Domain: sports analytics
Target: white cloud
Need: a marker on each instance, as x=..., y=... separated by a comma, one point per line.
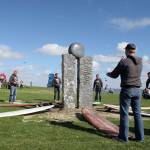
x=145, y=58
x=37, y=74
x=106, y=59
x=53, y=49
x=146, y=61
x=96, y=66
x=43, y=73
x=121, y=46
x=112, y=58
x=46, y=72
x=109, y=69
x=128, y=24
x=7, y=53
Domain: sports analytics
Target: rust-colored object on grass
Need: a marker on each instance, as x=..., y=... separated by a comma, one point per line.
x=99, y=122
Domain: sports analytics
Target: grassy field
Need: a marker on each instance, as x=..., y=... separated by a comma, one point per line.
x=15, y=134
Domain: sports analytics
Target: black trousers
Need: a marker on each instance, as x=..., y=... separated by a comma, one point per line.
x=98, y=95
x=57, y=93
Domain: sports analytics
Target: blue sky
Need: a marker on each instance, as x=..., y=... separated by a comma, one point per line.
x=34, y=34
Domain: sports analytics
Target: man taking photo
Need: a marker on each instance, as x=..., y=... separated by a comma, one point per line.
x=129, y=69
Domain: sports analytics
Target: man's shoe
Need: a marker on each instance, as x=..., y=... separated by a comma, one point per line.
x=119, y=140
x=139, y=140
x=132, y=138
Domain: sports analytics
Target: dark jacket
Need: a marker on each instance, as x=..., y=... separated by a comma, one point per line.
x=98, y=84
x=129, y=69
x=147, y=83
x=56, y=82
x=13, y=80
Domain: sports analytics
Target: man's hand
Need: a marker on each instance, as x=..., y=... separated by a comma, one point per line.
x=146, y=89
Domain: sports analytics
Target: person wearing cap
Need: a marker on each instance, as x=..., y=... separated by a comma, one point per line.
x=129, y=69
x=97, y=87
x=148, y=80
x=56, y=83
x=13, y=83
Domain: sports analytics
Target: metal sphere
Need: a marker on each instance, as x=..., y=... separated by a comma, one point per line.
x=76, y=49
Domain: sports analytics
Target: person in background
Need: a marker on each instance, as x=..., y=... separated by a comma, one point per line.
x=148, y=80
x=31, y=84
x=56, y=83
x=106, y=87
x=97, y=87
x=146, y=91
x=129, y=69
x=21, y=84
x=13, y=83
x=111, y=91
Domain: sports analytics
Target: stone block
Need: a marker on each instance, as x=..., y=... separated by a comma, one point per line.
x=85, y=87
x=69, y=80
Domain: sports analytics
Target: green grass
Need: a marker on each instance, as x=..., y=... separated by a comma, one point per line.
x=114, y=99
x=15, y=134
x=29, y=94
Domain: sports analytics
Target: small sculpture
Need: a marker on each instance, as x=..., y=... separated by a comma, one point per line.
x=76, y=49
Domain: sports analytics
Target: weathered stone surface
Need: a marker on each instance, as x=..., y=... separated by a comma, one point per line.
x=85, y=88
x=69, y=80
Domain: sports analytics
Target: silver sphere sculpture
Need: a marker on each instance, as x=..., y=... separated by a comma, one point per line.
x=76, y=49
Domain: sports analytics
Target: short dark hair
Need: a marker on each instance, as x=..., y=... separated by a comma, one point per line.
x=148, y=73
x=130, y=46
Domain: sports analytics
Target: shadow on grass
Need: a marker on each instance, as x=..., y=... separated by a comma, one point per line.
x=1, y=100
x=73, y=126
x=146, y=131
x=80, y=117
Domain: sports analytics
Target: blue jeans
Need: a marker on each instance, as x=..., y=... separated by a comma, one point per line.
x=12, y=96
x=98, y=94
x=130, y=96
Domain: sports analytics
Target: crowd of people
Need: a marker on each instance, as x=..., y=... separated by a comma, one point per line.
x=129, y=69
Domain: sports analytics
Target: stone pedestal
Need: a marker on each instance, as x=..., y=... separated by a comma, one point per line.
x=85, y=87
x=69, y=80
